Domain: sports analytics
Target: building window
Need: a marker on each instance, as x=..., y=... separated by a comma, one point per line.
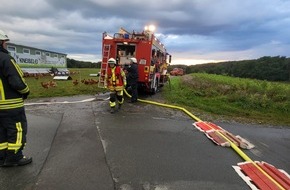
x=47, y=54
x=11, y=48
x=26, y=51
x=37, y=53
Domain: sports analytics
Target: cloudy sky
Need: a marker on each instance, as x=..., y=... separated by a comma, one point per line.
x=193, y=31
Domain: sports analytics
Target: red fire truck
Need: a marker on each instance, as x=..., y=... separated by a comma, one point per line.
x=150, y=53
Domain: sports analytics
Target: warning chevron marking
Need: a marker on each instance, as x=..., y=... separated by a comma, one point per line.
x=256, y=179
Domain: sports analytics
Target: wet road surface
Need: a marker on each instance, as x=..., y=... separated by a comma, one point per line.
x=82, y=146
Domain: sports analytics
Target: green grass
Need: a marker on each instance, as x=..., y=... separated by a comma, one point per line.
x=246, y=99
x=209, y=96
x=41, y=65
x=64, y=87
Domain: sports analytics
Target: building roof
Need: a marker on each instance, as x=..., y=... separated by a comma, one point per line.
x=13, y=44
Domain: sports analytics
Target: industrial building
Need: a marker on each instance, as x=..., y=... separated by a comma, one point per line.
x=28, y=57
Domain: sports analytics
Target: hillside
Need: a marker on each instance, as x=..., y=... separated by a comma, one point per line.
x=265, y=68
x=231, y=98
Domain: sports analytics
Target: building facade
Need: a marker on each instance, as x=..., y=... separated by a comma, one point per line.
x=27, y=56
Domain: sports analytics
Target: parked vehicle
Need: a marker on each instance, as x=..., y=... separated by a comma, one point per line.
x=177, y=72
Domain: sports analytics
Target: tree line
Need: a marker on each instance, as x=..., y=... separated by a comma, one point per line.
x=265, y=68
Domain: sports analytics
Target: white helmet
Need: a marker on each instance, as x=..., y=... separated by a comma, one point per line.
x=133, y=59
x=3, y=36
x=112, y=60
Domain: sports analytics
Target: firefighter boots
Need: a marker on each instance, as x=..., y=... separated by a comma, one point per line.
x=21, y=162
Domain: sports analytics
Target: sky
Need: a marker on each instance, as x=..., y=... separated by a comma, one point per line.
x=193, y=31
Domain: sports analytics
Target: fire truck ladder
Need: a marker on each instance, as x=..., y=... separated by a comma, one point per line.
x=104, y=65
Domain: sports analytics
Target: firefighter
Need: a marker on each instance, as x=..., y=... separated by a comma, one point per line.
x=115, y=81
x=13, y=123
x=132, y=78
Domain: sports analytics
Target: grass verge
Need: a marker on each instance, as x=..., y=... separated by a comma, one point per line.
x=209, y=97
x=231, y=98
x=63, y=87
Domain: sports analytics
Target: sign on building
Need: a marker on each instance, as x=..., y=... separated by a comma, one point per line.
x=34, y=57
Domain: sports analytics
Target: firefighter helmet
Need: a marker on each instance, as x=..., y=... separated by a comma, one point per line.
x=3, y=36
x=133, y=59
x=112, y=61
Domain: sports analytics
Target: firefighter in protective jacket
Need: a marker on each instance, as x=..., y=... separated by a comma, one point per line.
x=13, y=123
x=115, y=81
x=132, y=78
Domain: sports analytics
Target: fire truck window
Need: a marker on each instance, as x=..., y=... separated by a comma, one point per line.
x=126, y=50
x=153, y=52
x=158, y=53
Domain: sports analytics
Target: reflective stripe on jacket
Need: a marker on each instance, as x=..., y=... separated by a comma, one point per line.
x=12, y=83
x=116, y=78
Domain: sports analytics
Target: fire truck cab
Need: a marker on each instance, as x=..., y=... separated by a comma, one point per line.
x=151, y=55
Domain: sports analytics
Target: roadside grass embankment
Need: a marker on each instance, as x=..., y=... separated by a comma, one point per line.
x=209, y=97
x=230, y=98
x=63, y=87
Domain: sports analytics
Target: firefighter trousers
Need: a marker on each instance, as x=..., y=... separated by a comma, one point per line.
x=134, y=96
x=116, y=95
x=13, y=130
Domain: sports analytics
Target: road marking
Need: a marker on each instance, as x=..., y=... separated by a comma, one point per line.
x=64, y=102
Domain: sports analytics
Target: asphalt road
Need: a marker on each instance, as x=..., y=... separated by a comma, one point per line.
x=141, y=147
